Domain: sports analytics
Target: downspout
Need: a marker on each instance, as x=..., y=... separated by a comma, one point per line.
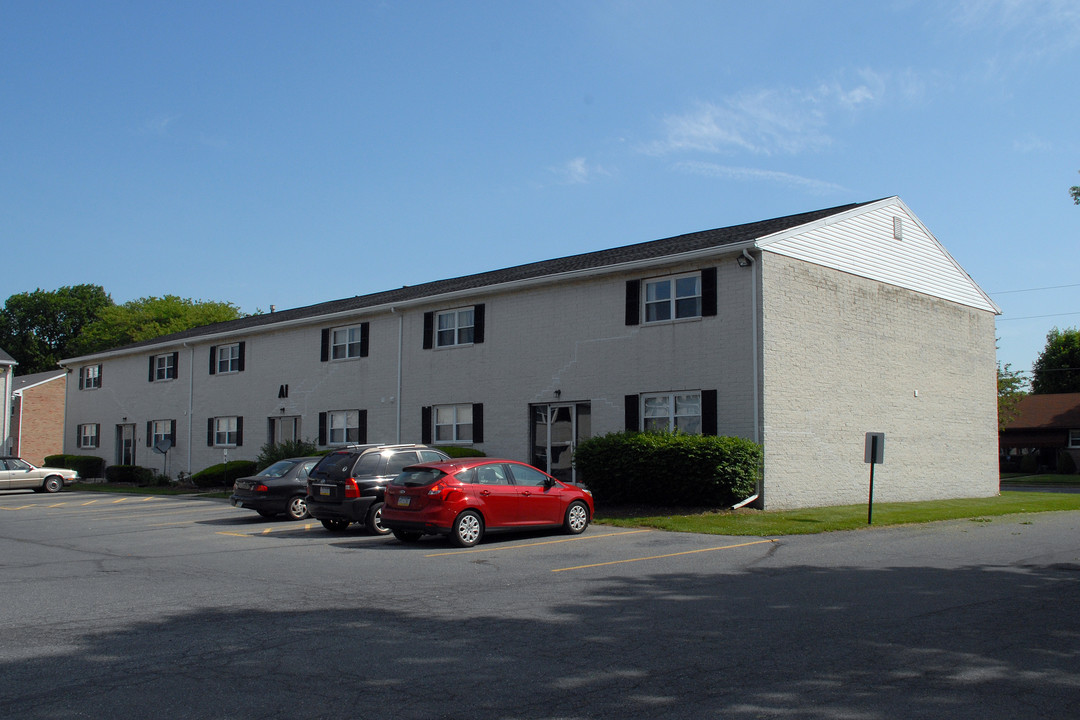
x=401, y=347
x=754, y=365
x=191, y=403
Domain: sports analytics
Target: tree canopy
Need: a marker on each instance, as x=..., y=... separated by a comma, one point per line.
x=41, y=328
x=1075, y=192
x=1057, y=369
x=1010, y=390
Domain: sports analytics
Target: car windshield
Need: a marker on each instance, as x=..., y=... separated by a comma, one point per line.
x=417, y=477
x=278, y=469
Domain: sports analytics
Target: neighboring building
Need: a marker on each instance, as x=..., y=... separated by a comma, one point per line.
x=7, y=370
x=1045, y=426
x=802, y=332
x=37, y=415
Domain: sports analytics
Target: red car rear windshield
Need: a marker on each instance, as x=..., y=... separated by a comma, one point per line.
x=417, y=477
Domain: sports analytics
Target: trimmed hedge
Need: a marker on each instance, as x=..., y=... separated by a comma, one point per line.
x=133, y=474
x=223, y=474
x=669, y=468
x=460, y=452
x=88, y=466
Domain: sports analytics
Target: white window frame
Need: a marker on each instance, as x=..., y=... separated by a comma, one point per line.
x=342, y=427
x=162, y=430
x=672, y=411
x=672, y=298
x=228, y=359
x=226, y=431
x=345, y=342
x=455, y=327
x=91, y=378
x=88, y=435
x=452, y=423
x=164, y=367
x=1074, y=438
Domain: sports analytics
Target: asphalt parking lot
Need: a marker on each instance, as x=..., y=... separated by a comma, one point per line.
x=123, y=606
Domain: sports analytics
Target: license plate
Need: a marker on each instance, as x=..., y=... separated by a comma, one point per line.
x=324, y=490
x=404, y=501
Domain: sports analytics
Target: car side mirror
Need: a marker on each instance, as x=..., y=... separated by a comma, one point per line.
x=548, y=483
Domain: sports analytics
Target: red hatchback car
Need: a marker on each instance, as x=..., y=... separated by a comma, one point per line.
x=467, y=498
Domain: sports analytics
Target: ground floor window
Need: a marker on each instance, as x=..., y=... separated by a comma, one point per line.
x=453, y=423
x=668, y=412
x=343, y=426
x=88, y=435
x=226, y=431
x=1074, y=438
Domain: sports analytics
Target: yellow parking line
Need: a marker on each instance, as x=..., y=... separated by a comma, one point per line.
x=89, y=503
x=234, y=534
x=658, y=557
x=535, y=544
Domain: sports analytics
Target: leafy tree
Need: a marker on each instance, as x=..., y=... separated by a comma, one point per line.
x=1057, y=369
x=1010, y=390
x=271, y=452
x=1075, y=192
x=40, y=328
x=151, y=317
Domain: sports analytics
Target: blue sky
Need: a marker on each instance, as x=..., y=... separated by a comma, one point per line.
x=288, y=153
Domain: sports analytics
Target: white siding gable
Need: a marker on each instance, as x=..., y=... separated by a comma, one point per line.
x=862, y=242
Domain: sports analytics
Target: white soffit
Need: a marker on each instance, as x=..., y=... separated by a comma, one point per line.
x=863, y=242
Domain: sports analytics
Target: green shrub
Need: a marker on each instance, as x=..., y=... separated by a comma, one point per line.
x=133, y=474
x=1029, y=463
x=270, y=453
x=461, y=452
x=1066, y=463
x=668, y=468
x=88, y=466
x=223, y=474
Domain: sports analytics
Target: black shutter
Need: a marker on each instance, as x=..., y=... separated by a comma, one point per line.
x=82, y=377
x=151, y=376
x=361, y=426
x=632, y=413
x=708, y=412
x=97, y=434
x=99, y=375
x=322, y=428
x=478, y=323
x=78, y=436
x=633, y=302
x=176, y=364
x=172, y=432
x=325, y=345
x=708, y=292
x=239, y=431
x=213, y=359
x=243, y=348
x=210, y=432
x=365, y=333
x=429, y=329
x=149, y=432
x=425, y=425
x=478, y=422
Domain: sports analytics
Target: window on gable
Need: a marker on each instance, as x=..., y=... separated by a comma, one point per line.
x=670, y=412
x=90, y=377
x=673, y=298
x=88, y=435
x=454, y=327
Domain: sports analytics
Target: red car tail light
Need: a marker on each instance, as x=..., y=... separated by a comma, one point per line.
x=261, y=488
x=352, y=490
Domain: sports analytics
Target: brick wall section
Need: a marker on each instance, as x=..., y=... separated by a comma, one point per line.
x=42, y=421
x=843, y=356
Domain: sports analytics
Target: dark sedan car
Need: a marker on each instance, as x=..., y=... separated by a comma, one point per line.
x=347, y=485
x=464, y=499
x=280, y=488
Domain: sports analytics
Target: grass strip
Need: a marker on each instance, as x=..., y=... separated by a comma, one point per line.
x=846, y=517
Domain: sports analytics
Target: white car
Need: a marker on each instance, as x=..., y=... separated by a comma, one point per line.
x=17, y=474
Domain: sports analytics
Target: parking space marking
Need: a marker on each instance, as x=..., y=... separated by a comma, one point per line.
x=266, y=531
x=669, y=555
x=488, y=548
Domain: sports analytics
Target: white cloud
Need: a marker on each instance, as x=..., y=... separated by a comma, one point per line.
x=818, y=187
x=1038, y=28
x=579, y=171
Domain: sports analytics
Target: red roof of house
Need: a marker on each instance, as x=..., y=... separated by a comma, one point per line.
x=1047, y=412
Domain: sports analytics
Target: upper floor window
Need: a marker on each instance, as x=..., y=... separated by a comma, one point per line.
x=226, y=359
x=88, y=435
x=90, y=377
x=163, y=367
x=673, y=298
x=345, y=343
x=455, y=327
x=450, y=328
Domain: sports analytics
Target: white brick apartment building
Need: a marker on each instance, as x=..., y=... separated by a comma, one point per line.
x=802, y=333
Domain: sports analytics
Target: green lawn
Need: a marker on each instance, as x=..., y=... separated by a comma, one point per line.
x=846, y=517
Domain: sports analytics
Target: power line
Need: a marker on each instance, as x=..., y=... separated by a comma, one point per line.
x=1036, y=317
x=1049, y=287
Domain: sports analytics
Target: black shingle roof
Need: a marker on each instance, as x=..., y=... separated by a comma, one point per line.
x=734, y=235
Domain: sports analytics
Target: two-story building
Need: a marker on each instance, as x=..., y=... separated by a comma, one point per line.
x=802, y=332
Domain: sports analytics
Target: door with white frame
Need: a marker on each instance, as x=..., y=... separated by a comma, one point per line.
x=556, y=430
